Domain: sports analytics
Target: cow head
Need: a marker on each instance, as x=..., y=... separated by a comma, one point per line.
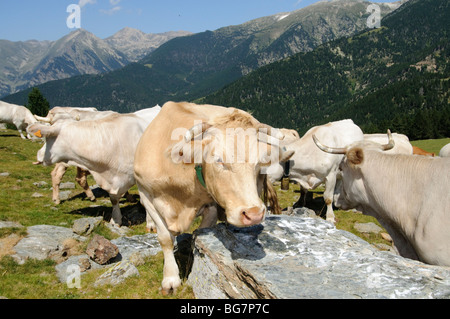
x=350, y=190
x=232, y=153
x=50, y=153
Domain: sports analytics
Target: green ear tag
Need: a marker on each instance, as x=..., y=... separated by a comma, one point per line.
x=199, y=171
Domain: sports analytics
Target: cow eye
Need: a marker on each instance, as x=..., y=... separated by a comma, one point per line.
x=219, y=161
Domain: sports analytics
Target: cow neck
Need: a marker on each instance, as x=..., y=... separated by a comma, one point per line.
x=199, y=173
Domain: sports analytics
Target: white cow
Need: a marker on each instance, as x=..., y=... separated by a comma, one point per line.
x=18, y=115
x=311, y=167
x=402, y=144
x=59, y=113
x=408, y=195
x=445, y=151
x=81, y=114
x=104, y=147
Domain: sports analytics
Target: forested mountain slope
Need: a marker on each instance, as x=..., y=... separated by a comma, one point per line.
x=396, y=76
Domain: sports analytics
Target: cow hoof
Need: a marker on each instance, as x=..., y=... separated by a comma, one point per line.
x=114, y=224
x=56, y=201
x=170, y=285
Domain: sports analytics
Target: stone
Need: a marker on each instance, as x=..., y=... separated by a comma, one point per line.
x=37, y=195
x=83, y=261
x=67, y=185
x=8, y=224
x=136, y=247
x=117, y=274
x=4, y=174
x=85, y=226
x=289, y=257
x=64, y=195
x=43, y=242
x=101, y=250
x=370, y=228
x=40, y=184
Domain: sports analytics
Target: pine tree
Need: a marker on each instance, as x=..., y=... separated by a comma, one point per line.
x=37, y=103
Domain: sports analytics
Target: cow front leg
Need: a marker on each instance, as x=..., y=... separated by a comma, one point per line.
x=57, y=175
x=116, y=219
x=330, y=183
x=171, y=275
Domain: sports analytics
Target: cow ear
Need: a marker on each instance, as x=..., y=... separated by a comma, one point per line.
x=355, y=156
x=41, y=130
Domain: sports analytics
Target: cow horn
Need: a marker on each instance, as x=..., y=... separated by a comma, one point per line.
x=331, y=150
x=195, y=130
x=42, y=119
x=391, y=144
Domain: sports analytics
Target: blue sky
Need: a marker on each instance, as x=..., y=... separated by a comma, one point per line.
x=22, y=20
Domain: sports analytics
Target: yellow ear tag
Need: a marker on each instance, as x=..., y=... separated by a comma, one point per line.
x=38, y=134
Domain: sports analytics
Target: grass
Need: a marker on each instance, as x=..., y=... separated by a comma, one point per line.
x=432, y=146
x=37, y=279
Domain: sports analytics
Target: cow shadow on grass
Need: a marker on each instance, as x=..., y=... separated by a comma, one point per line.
x=133, y=213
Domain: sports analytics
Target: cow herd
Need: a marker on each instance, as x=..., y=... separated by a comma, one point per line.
x=189, y=160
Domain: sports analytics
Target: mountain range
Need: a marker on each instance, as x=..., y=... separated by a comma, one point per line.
x=396, y=76
x=30, y=63
x=190, y=67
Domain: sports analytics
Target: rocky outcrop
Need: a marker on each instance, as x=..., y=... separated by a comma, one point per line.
x=294, y=257
x=46, y=242
x=285, y=257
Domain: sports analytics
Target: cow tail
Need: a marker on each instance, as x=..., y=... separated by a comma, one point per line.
x=270, y=196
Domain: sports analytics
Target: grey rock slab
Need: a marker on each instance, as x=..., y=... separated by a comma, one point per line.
x=368, y=228
x=8, y=224
x=117, y=274
x=144, y=245
x=67, y=185
x=42, y=242
x=292, y=257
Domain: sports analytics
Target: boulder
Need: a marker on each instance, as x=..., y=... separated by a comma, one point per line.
x=101, y=250
x=293, y=257
x=85, y=226
x=43, y=242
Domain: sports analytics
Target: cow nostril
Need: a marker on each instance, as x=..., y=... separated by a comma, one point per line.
x=252, y=215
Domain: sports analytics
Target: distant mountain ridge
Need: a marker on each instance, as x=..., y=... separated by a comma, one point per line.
x=30, y=63
x=189, y=67
x=396, y=77
x=136, y=44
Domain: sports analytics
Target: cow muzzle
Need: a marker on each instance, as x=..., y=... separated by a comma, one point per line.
x=252, y=216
